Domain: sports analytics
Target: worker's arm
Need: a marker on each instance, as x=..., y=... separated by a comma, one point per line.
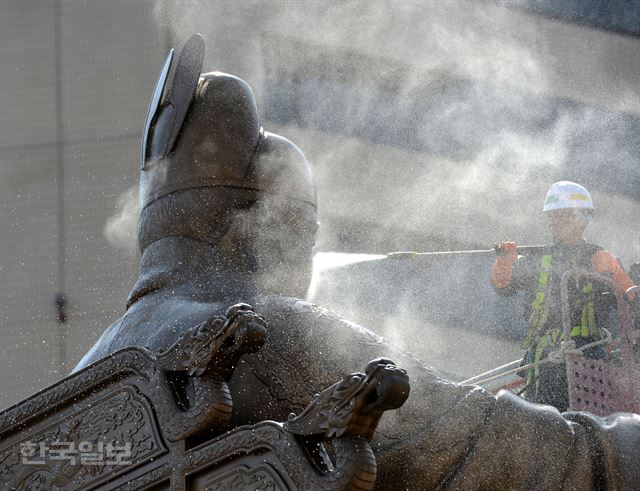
x=605, y=263
x=502, y=271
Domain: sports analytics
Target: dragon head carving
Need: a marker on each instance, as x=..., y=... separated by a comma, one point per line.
x=355, y=404
x=217, y=343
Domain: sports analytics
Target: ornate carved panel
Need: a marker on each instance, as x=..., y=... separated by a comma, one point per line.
x=113, y=426
x=105, y=436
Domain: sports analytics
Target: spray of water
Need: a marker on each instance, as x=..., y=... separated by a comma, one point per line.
x=121, y=228
x=431, y=119
x=324, y=261
x=495, y=131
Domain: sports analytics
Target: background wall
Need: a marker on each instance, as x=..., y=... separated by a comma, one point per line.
x=430, y=126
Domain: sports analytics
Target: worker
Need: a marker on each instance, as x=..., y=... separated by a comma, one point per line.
x=568, y=208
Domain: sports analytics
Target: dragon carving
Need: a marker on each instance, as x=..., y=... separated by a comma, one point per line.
x=189, y=385
x=341, y=421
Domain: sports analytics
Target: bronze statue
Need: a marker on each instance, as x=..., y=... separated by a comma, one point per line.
x=229, y=215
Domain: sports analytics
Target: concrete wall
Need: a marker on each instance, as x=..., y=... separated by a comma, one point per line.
x=75, y=80
x=73, y=93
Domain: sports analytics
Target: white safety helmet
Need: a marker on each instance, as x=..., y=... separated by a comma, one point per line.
x=568, y=195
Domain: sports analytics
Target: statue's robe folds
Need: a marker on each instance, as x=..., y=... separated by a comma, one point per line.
x=445, y=436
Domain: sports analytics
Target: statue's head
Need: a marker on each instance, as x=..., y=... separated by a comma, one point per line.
x=211, y=173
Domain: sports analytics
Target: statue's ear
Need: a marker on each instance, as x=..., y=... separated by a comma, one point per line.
x=171, y=99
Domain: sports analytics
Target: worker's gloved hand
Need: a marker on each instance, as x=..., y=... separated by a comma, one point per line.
x=507, y=254
x=509, y=250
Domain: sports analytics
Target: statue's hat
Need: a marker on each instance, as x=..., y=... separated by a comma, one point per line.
x=204, y=131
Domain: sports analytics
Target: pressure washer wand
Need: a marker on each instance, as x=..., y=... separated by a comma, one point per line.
x=495, y=250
